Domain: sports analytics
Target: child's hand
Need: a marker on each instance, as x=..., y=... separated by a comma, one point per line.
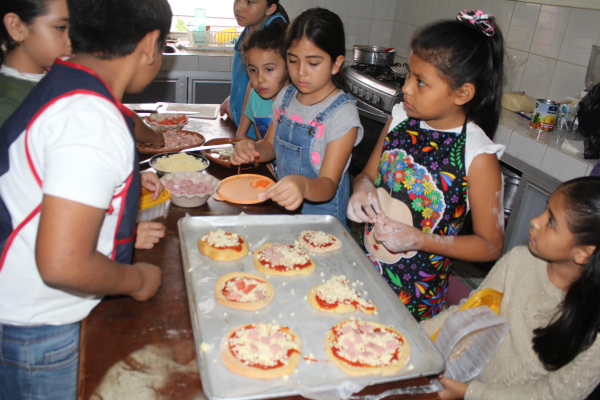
x=151, y=183
x=364, y=206
x=158, y=139
x=396, y=236
x=452, y=389
x=151, y=278
x=288, y=192
x=225, y=108
x=245, y=151
x=149, y=233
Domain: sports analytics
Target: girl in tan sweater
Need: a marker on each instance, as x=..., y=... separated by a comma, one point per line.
x=551, y=297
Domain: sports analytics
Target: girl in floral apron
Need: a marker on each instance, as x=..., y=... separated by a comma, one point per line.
x=434, y=162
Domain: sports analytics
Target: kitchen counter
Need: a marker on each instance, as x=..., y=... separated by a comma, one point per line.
x=146, y=350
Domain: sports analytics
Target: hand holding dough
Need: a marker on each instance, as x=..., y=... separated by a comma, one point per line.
x=396, y=236
x=364, y=205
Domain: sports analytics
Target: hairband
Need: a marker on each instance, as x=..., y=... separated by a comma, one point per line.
x=483, y=21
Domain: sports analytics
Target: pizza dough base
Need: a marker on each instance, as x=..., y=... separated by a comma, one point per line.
x=256, y=305
x=316, y=249
x=222, y=254
x=292, y=272
x=403, y=356
x=238, y=367
x=340, y=309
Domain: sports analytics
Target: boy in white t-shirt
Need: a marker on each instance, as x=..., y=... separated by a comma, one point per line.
x=69, y=191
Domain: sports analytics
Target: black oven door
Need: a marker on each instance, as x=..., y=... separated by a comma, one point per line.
x=373, y=120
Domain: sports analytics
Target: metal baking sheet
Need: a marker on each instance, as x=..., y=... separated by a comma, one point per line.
x=321, y=380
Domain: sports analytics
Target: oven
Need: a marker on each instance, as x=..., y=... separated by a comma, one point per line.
x=377, y=90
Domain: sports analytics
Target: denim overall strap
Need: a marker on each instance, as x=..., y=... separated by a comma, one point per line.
x=293, y=145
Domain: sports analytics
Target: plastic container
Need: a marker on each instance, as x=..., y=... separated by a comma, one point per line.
x=150, y=209
x=199, y=19
x=468, y=340
x=215, y=36
x=191, y=200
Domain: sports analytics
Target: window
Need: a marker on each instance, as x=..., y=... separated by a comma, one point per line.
x=218, y=13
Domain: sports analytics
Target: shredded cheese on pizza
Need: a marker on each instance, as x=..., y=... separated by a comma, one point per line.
x=362, y=344
x=285, y=256
x=221, y=239
x=262, y=344
x=244, y=290
x=337, y=290
x=319, y=239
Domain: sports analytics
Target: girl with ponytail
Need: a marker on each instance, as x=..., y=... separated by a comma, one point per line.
x=551, y=300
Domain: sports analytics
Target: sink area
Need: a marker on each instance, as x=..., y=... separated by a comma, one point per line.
x=168, y=49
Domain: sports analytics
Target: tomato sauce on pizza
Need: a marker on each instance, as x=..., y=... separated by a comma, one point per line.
x=284, y=257
x=221, y=240
x=244, y=290
x=337, y=291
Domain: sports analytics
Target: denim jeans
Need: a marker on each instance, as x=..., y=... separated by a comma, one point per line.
x=39, y=362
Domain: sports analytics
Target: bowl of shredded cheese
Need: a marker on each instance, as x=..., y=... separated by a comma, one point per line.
x=168, y=163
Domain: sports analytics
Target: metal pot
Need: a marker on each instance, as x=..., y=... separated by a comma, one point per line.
x=374, y=55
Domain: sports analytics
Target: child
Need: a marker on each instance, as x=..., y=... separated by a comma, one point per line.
x=414, y=187
x=551, y=300
x=69, y=190
x=316, y=124
x=264, y=55
x=254, y=15
x=35, y=33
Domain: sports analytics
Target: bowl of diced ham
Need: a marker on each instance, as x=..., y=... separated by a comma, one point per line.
x=167, y=120
x=190, y=189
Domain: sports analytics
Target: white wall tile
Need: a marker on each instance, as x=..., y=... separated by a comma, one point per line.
x=483, y=5
x=384, y=9
x=301, y=5
x=550, y=31
x=361, y=8
x=340, y=7
x=587, y=173
x=359, y=28
x=423, y=15
x=381, y=33
x=522, y=26
x=528, y=150
x=538, y=75
x=502, y=135
x=405, y=32
x=442, y=9
x=502, y=10
x=562, y=166
x=583, y=31
x=567, y=80
x=181, y=63
x=520, y=69
x=406, y=10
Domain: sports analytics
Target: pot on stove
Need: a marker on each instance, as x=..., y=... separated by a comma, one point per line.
x=374, y=55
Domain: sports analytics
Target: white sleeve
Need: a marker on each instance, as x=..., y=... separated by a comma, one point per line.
x=398, y=115
x=89, y=150
x=478, y=143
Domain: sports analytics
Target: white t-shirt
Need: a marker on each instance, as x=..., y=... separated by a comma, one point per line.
x=477, y=142
x=81, y=149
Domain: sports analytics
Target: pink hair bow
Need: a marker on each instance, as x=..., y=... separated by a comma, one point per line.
x=483, y=21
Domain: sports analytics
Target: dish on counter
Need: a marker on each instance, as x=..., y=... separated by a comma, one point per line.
x=223, y=156
x=167, y=163
x=167, y=120
x=190, y=189
x=175, y=140
x=243, y=189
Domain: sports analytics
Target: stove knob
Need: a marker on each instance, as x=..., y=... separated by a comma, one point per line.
x=354, y=89
x=376, y=99
x=368, y=96
x=360, y=92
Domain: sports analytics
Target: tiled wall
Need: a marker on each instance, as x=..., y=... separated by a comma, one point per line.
x=555, y=41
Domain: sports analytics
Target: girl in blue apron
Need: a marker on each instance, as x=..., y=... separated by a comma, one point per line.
x=316, y=124
x=434, y=162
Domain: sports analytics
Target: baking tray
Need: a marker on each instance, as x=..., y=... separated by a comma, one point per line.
x=321, y=380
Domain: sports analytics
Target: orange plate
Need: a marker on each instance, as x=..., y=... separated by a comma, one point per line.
x=220, y=161
x=144, y=150
x=243, y=189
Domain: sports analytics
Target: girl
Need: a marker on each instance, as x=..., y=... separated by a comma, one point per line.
x=316, y=124
x=264, y=55
x=254, y=15
x=434, y=162
x=551, y=299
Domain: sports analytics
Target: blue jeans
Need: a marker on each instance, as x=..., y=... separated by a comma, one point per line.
x=39, y=362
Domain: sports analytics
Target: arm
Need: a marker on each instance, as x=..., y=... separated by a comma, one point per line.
x=248, y=151
x=245, y=121
x=290, y=191
x=151, y=183
x=67, y=258
x=146, y=134
x=225, y=108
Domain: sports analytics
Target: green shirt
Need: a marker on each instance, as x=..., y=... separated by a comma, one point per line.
x=12, y=93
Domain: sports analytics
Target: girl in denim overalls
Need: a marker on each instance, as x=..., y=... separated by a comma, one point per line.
x=315, y=125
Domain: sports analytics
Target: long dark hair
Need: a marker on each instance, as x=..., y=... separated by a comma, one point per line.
x=326, y=30
x=463, y=53
x=27, y=10
x=279, y=9
x=575, y=327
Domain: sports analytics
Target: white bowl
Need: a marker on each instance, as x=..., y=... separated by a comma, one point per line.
x=158, y=119
x=190, y=200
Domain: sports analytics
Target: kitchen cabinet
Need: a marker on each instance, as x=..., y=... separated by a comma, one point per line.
x=168, y=86
x=208, y=87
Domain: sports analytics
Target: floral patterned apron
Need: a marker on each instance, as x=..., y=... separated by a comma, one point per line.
x=421, y=181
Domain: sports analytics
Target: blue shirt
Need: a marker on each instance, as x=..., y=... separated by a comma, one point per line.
x=259, y=111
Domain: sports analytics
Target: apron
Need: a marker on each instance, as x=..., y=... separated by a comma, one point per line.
x=293, y=145
x=421, y=181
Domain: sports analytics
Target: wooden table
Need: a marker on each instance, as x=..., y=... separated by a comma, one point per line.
x=146, y=350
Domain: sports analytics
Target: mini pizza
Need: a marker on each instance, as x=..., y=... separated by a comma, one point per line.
x=336, y=296
x=319, y=241
x=283, y=259
x=244, y=291
x=223, y=246
x=367, y=348
x=261, y=350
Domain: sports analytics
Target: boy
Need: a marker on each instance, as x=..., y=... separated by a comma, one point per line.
x=69, y=187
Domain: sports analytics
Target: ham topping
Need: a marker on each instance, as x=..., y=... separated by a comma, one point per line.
x=363, y=345
x=262, y=344
x=244, y=290
x=187, y=186
x=284, y=257
x=176, y=140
